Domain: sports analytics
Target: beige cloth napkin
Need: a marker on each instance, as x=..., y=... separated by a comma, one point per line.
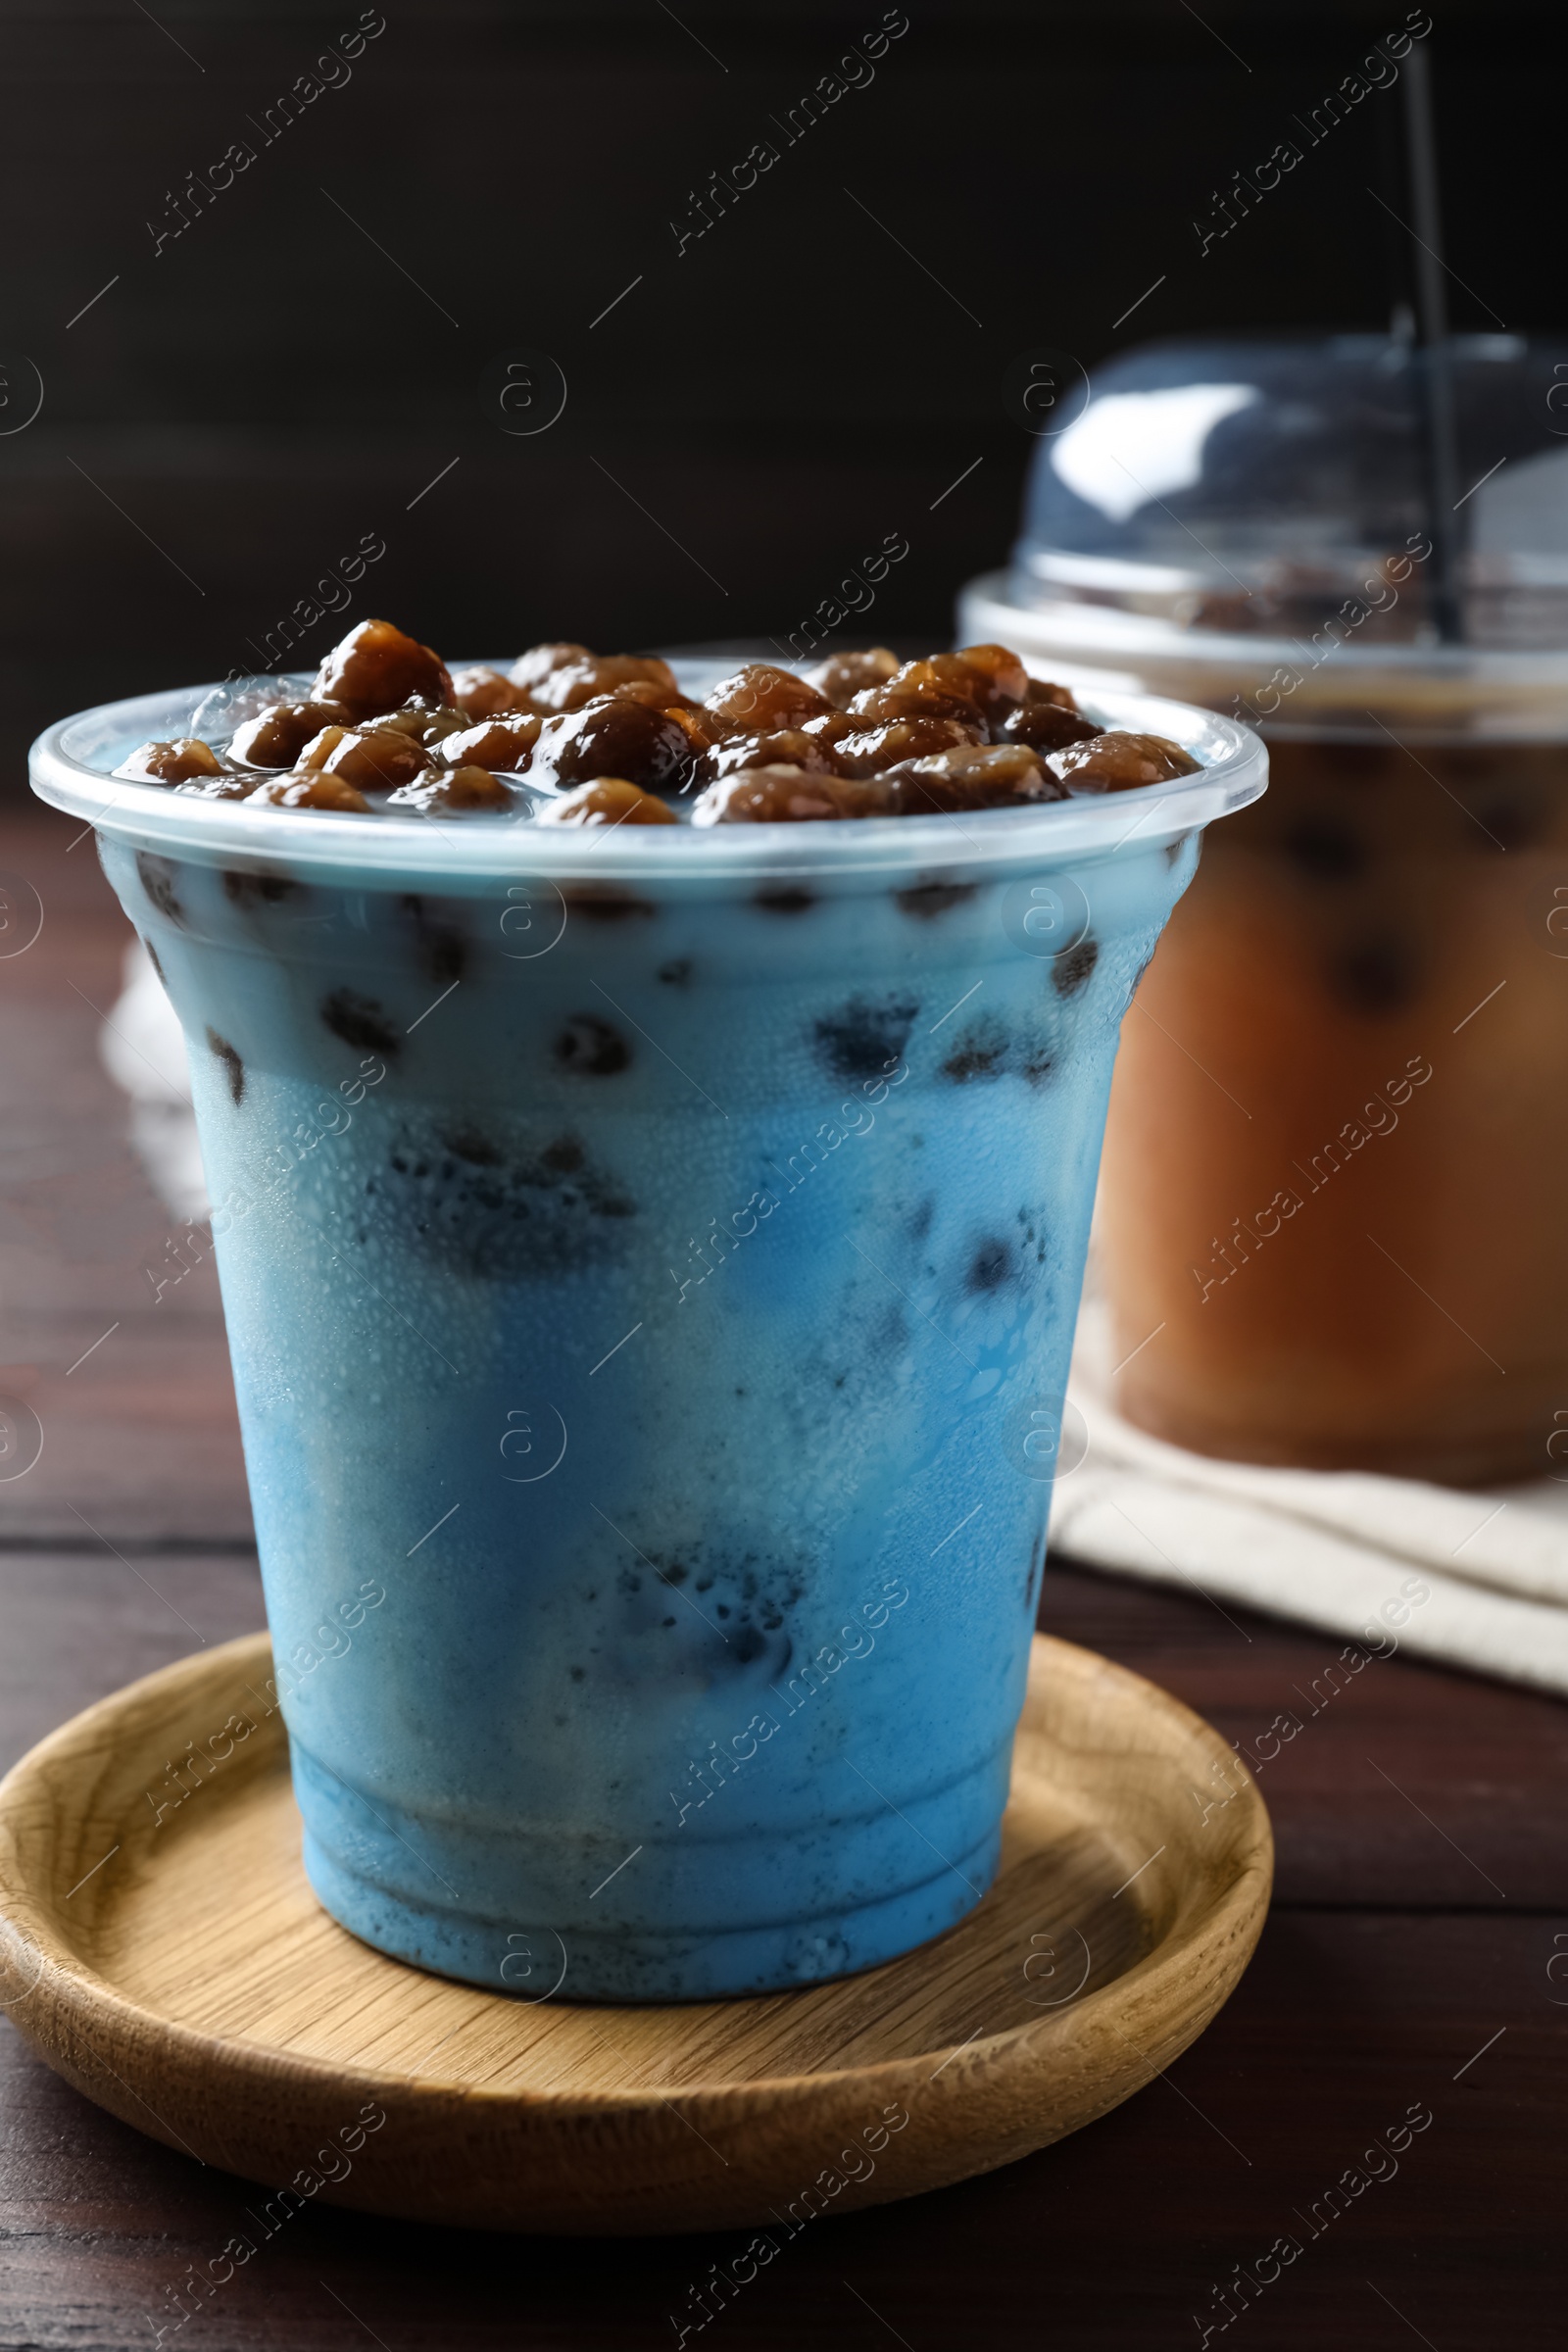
x=1474, y=1580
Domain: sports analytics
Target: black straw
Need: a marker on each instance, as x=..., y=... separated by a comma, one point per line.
x=1439, y=430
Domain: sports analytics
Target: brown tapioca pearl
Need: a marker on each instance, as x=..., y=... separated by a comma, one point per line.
x=790, y=746
x=842, y=677
x=609, y=801
x=590, y=1048
x=310, y=790
x=233, y=1067
x=219, y=788
x=177, y=762
x=1075, y=967
x=611, y=738
x=483, y=693
x=375, y=667
x=502, y=745
x=1041, y=690
x=320, y=748
x=158, y=877
x=360, y=1021
x=830, y=726
x=785, y=902
x=604, y=903
x=422, y=720
x=1119, y=761
x=759, y=699
x=584, y=681
x=926, y=900
x=919, y=688
x=772, y=796
x=652, y=694
x=1004, y=679
x=248, y=889
x=373, y=760
x=697, y=725
x=441, y=791
x=1044, y=726
x=531, y=668
x=983, y=775
x=872, y=748
x=277, y=737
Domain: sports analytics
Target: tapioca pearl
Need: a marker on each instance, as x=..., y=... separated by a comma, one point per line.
x=374, y=760
x=157, y=876
x=1045, y=727
x=277, y=737
x=842, y=677
x=482, y=693
x=786, y=747
x=604, y=902
x=233, y=1067
x=180, y=762
x=571, y=684
x=1120, y=761
x=879, y=744
x=456, y=790
x=990, y=1266
x=361, y=1021
x=589, y=1047
x=608, y=801
x=866, y=1035
x=610, y=738
x=1075, y=967
x=1375, y=975
x=310, y=789
x=502, y=745
x=375, y=667
x=250, y=890
x=979, y=1052
x=541, y=661
x=473, y=1146
x=759, y=697
x=926, y=900
x=440, y=947
x=784, y=901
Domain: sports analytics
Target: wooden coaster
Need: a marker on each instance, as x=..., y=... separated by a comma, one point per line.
x=181, y=1973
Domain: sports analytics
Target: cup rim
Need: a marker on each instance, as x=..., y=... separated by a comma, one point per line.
x=1233, y=771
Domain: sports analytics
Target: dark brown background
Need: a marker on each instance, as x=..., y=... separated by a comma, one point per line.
x=789, y=390
x=781, y=397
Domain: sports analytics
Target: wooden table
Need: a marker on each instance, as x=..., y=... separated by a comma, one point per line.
x=1416, y=1957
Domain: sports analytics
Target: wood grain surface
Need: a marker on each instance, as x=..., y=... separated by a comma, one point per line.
x=162, y=1948
x=1413, y=1950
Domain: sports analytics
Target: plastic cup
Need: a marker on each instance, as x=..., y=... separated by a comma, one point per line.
x=650, y=1260
x=1331, y=1194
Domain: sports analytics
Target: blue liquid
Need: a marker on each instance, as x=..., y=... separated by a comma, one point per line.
x=650, y=1349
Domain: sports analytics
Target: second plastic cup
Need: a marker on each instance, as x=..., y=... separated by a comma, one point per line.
x=651, y=1262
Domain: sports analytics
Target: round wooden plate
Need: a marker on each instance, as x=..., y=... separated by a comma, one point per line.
x=181, y=1971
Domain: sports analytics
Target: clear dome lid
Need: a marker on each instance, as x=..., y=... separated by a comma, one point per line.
x=1203, y=514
